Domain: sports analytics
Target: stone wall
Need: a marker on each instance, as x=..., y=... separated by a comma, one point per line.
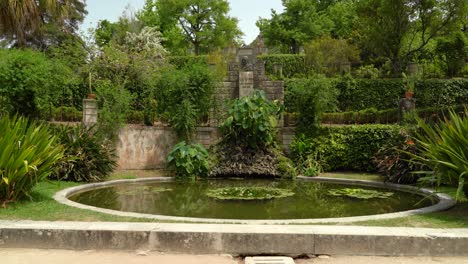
x=144, y=148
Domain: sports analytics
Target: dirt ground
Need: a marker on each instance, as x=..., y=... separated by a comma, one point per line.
x=37, y=256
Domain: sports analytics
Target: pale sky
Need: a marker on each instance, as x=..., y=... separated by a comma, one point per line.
x=247, y=11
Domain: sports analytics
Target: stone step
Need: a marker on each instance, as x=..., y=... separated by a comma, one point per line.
x=269, y=260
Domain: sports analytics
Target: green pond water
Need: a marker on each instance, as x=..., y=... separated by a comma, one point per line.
x=311, y=200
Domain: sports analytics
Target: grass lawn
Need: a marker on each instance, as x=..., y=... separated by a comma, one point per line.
x=44, y=207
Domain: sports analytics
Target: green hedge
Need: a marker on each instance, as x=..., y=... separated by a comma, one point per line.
x=346, y=147
x=384, y=94
x=293, y=65
x=390, y=116
x=182, y=61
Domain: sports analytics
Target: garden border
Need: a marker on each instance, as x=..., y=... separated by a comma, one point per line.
x=444, y=202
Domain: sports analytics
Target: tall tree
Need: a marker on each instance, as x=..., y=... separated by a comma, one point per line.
x=299, y=23
x=203, y=23
x=400, y=29
x=34, y=21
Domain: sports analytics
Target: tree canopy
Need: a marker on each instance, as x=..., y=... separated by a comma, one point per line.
x=204, y=24
x=39, y=23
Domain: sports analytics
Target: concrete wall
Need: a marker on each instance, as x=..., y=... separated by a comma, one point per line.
x=143, y=148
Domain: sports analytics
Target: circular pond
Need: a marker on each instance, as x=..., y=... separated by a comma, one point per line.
x=306, y=200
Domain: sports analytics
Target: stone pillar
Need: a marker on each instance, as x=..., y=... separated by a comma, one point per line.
x=246, y=83
x=90, y=112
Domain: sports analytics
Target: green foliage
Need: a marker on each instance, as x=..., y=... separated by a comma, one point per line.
x=131, y=64
x=189, y=161
x=37, y=23
x=203, y=23
x=328, y=56
x=304, y=157
x=28, y=155
x=382, y=94
x=66, y=114
x=87, y=158
x=366, y=116
x=390, y=116
x=248, y=193
x=394, y=161
x=293, y=65
x=286, y=167
x=300, y=22
x=181, y=62
x=367, y=72
x=114, y=104
x=360, y=193
x=185, y=97
x=31, y=84
x=251, y=121
x=443, y=148
x=401, y=30
x=344, y=147
x=309, y=98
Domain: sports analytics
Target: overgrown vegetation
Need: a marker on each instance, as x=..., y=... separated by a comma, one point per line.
x=344, y=148
x=189, y=161
x=309, y=98
x=251, y=122
x=184, y=97
x=29, y=152
x=248, y=147
x=443, y=148
x=88, y=156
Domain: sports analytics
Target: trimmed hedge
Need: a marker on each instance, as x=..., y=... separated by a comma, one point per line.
x=359, y=94
x=293, y=65
x=390, y=116
x=346, y=147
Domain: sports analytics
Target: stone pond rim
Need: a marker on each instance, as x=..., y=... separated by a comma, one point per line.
x=444, y=202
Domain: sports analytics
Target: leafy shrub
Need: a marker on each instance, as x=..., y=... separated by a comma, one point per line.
x=390, y=116
x=135, y=117
x=251, y=121
x=382, y=94
x=88, y=157
x=293, y=65
x=67, y=114
x=189, y=161
x=367, y=72
x=184, y=97
x=345, y=147
x=443, y=148
x=114, y=104
x=304, y=156
x=359, y=94
x=309, y=98
x=286, y=167
x=30, y=84
x=185, y=61
x=28, y=154
x=327, y=55
x=394, y=161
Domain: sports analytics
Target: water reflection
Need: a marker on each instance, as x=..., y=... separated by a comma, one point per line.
x=189, y=199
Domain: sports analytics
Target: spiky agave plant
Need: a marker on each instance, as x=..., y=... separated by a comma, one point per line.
x=444, y=149
x=28, y=153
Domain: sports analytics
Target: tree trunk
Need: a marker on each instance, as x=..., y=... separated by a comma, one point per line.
x=196, y=47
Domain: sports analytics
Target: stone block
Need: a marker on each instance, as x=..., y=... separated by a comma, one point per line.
x=258, y=244
x=344, y=245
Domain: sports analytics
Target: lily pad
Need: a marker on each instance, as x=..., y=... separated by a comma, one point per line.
x=360, y=193
x=248, y=193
